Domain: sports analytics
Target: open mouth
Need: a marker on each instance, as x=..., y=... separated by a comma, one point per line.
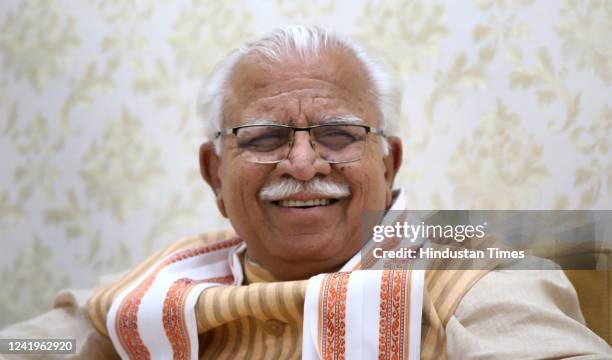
x=306, y=204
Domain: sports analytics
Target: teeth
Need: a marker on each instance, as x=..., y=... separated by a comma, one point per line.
x=299, y=203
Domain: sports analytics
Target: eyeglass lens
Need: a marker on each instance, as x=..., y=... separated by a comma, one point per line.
x=270, y=143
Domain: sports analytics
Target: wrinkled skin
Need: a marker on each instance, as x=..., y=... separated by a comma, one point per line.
x=294, y=243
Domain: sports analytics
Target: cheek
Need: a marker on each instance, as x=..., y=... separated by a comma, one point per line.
x=367, y=184
x=241, y=183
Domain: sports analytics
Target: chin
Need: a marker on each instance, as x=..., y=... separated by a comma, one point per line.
x=311, y=247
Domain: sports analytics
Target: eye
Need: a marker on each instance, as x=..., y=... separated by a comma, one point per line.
x=262, y=139
x=339, y=137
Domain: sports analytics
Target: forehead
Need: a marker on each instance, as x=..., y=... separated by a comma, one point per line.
x=297, y=89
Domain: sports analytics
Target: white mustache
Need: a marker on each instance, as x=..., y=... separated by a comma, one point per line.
x=287, y=187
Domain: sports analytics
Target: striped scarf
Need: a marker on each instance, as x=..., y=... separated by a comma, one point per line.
x=233, y=320
x=370, y=313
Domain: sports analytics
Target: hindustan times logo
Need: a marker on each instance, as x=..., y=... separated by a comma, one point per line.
x=428, y=231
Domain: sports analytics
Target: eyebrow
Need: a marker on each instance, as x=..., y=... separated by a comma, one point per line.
x=343, y=119
x=254, y=121
x=327, y=120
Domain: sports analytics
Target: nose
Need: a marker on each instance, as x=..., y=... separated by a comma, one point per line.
x=303, y=163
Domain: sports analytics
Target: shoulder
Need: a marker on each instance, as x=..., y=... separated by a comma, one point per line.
x=521, y=314
x=536, y=288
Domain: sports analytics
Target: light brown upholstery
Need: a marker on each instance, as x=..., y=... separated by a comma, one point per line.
x=593, y=288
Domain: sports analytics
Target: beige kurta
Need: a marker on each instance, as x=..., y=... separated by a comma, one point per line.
x=507, y=314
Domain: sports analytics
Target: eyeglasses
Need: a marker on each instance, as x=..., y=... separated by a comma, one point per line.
x=269, y=144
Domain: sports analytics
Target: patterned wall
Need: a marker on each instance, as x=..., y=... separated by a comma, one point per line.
x=507, y=105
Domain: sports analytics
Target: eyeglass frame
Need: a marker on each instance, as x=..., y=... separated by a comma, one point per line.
x=368, y=129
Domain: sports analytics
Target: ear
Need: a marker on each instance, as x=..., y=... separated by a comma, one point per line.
x=210, y=166
x=392, y=162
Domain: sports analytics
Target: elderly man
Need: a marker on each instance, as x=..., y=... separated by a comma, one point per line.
x=301, y=145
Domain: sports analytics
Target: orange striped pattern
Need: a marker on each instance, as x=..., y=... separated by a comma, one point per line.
x=394, y=315
x=333, y=316
x=126, y=325
x=174, y=317
x=101, y=302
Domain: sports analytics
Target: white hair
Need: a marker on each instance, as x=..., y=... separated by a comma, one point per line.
x=306, y=42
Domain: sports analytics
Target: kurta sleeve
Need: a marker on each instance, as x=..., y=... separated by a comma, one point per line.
x=522, y=314
x=68, y=319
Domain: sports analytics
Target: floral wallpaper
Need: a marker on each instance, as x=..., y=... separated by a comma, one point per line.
x=506, y=105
